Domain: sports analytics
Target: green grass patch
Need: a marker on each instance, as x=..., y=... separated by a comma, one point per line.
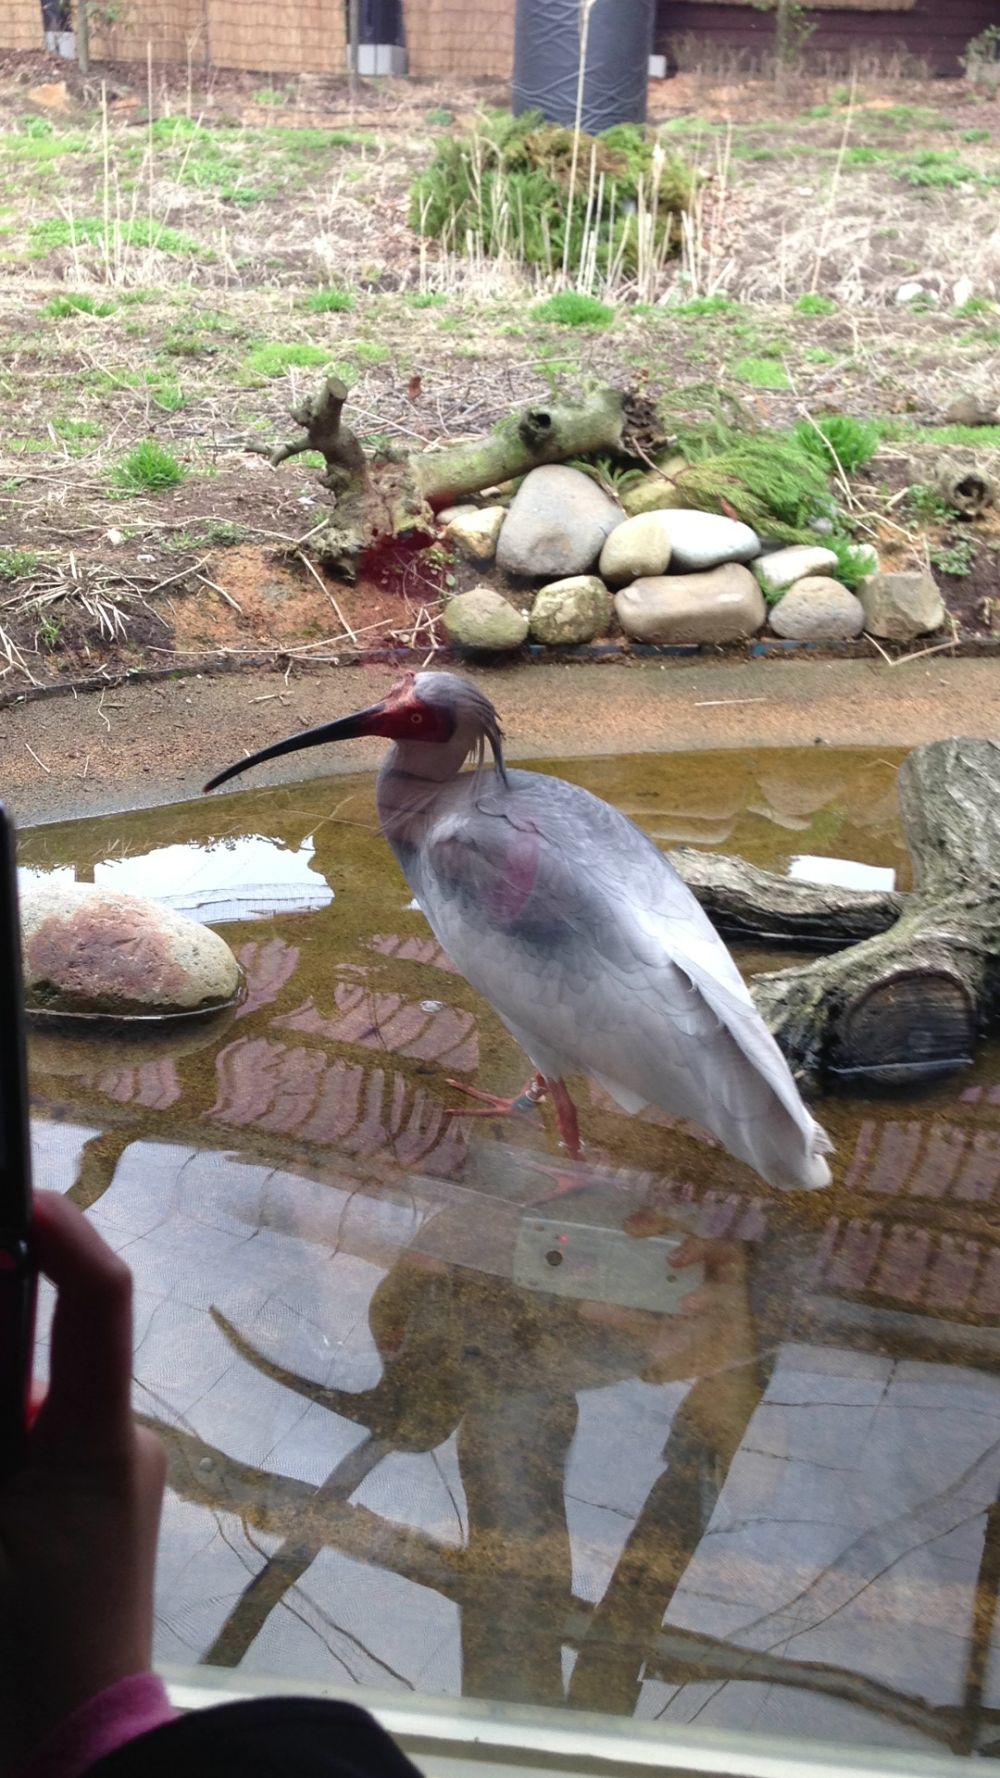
x=812, y=303
x=936, y=169
x=904, y=431
x=369, y=352
x=15, y=563
x=273, y=358
x=977, y=135
x=78, y=303
x=149, y=469
x=425, y=299
x=837, y=438
x=440, y=116
x=29, y=146
x=60, y=231
x=270, y=95
x=506, y=185
x=706, y=305
x=570, y=308
x=328, y=302
x=863, y=155
x=762, y=373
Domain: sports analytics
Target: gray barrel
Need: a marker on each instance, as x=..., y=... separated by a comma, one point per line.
x=547, y=56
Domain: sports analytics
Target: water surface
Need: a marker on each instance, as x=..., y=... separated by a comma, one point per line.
x=398, y=1461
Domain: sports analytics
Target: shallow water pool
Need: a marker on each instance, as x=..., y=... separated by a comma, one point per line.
x=401, y=1453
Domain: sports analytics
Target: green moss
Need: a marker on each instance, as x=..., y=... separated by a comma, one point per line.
x=149, y=469
x=570, y=308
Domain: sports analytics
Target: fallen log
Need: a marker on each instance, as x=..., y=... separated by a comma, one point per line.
x=397, y=496
x=911, y=1000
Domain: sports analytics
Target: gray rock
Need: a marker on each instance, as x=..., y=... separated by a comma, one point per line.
x=557, y=523
x=573, y=610
x=482, y=621
x=723, y=605
x=637, y=548
x=817, y=609
x=99, y=951
x=777, y=571
x=901, y=606
x=706, y=540
x=474, y=530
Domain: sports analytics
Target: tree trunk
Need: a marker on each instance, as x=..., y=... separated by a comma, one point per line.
x=549, y=434
x=912, y=998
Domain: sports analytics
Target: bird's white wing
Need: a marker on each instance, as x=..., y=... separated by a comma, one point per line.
x=600, y=961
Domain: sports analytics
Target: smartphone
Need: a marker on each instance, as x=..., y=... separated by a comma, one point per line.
x=17, y=1270
x=587, y=1260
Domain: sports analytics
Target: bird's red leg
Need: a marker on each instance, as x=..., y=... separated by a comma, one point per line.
x=569, y=1127
x=531, y=1094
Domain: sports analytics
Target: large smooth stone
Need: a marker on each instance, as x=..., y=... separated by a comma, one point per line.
x=782, y=567
x=900, y=607
x=706, y=540
x=474, y=530
x=557, y=524
x=99, y=951
x=573, y=610
x=817, y=609
x=483, y=620
x=723, y=605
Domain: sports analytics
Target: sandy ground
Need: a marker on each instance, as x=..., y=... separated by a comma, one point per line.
x=141, y=745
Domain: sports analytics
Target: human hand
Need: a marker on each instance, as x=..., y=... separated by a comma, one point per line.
x=79, y=1519
x=713, y=1327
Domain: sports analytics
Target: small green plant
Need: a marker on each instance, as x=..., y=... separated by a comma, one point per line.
x=16, y=563
x=860, y=154
x=762, y=373
x=140, y=231
x=927, y=503
x=839, y=439
x=370, y=352
x=570, y=308
x=270, y=96
x=273, y=358
x=78, y=303
x=328, y=302
x=811, y=303
x=954, y=555
x=425, y=299
x=440, y=116
x=936, y=169
x=852, y=564
x=973, y=306
x=49, y=630
x=149, y=469
x=707, y=305
x=167, y=395
x=976, y=135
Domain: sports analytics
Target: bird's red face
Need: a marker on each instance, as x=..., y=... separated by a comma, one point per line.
x=401, y=716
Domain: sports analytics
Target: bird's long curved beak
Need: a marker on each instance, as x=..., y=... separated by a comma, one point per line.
x=363, y=722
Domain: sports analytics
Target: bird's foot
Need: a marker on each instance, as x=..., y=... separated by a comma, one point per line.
x=531, y=1094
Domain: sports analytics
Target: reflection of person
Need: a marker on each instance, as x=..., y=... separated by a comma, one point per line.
x=78, y=1526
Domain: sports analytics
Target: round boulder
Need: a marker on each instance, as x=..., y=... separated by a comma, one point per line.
x=818, y=609
x=573, y=610
x=723, y=605
x=90, y=950
x=557, y=523
x=902, y=606
x=483, y=622
x=783, y=567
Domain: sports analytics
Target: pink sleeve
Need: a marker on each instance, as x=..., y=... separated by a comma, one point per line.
x=129, y=1708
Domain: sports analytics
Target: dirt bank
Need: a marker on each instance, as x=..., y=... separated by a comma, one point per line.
x=148, y=744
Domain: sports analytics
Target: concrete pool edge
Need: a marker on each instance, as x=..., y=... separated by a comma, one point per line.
x=149, y=743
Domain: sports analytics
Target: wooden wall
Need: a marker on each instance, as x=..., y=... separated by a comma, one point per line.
x=935, y=31
x=21, y=24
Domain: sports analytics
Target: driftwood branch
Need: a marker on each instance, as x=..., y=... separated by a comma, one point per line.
x=320, y=415
x=543, y=434
x=912, y=998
